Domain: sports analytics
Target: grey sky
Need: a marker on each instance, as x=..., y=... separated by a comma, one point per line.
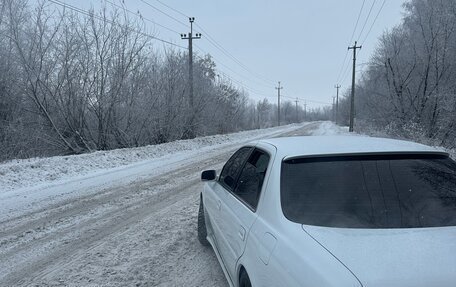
x=301, y=43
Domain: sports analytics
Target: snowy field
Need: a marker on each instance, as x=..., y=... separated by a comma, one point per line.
x=117, y=218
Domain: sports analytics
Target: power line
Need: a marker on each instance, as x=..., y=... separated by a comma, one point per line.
x=357, y=21
x=215, y=44
x=218, y=63
x=164, y=13
x=212, y=41
x=242, y=84
x=305, y=100
x=244, y=87
x=138, y=14
x=378, y=13
x=90, y=14
x=351, y=39
x=218, y=46
x=342, y=67
x=346, y=72
x=367, y=19
x=175, y=10
x=227, y=67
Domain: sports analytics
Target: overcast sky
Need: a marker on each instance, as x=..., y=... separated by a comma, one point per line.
x=301, y=43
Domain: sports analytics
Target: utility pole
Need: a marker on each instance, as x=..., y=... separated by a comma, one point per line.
x=190, y=39
x=297, y=116
x=305, y=111
x=337, y=103
x=352, y=100
x=278, y=103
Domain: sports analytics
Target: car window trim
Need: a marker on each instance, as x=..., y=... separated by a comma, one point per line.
x=237, y=179
x=368, y=154
x=221, y=182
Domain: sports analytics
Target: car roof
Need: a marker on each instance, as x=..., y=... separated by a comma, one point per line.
x=297, y=146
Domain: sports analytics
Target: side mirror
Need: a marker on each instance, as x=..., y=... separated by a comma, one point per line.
x=208, y=175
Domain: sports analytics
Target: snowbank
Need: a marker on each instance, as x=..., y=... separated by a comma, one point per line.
x=23, y=173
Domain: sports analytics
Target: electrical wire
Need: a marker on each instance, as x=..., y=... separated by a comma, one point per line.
x=378, y=13
x=349, y=42
x=141, y=16
x=357, y=21
x=346, y=72
x=171, y=8
x=367, y=19
x=226, y=66
x=239, y=82
x=213, y=42
x=164, y=13
x=87, y=13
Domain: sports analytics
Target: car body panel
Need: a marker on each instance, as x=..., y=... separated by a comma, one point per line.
x=394, y=257
x=236, y=221
x=333, y=145
x=278, y=252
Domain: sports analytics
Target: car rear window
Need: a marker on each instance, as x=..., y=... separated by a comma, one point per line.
x=370, y=191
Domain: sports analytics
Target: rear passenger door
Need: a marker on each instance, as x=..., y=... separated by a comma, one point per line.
x=226, y=182
x=238, y=209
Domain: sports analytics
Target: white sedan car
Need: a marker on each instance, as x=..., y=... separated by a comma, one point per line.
x=333, y=211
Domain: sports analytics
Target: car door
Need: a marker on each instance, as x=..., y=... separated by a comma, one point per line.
x=238, y=209
x=217, y=190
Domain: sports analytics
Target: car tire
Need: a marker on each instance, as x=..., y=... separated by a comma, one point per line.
x=202, y=231
x=244, y=280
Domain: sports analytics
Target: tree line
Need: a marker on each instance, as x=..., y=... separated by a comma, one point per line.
x=408, y=89
x=72, y=83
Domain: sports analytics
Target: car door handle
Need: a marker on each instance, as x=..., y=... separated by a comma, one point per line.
x=242, y=233
x=219, y=204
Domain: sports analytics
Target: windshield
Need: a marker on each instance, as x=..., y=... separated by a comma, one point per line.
x=377, y=191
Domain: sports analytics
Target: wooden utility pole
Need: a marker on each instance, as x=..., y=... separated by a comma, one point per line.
x=278, y=103
x=352, y=100
x=297, y=116
x=190, y=39
x=305, y=111
x=337, y=103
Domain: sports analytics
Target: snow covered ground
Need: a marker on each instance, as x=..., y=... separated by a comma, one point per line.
x=38, y=171
x=116, y=218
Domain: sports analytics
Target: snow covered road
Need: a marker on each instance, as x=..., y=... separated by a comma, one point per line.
x=131, y=225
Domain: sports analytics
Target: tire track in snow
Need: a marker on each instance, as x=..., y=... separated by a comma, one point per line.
x=68, y=240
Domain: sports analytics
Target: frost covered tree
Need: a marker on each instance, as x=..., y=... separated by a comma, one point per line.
x=409, y=87
x=73, y=83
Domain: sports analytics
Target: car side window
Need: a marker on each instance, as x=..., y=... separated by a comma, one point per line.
x=251, y=179
x=233, y=166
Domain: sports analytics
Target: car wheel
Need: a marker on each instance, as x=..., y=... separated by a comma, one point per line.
x=244, y=280
x=202, y=231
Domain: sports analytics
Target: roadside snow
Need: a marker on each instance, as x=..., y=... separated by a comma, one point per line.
x=23, y=173
x=330, y=129
x=118, y=218
x=32, y=184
